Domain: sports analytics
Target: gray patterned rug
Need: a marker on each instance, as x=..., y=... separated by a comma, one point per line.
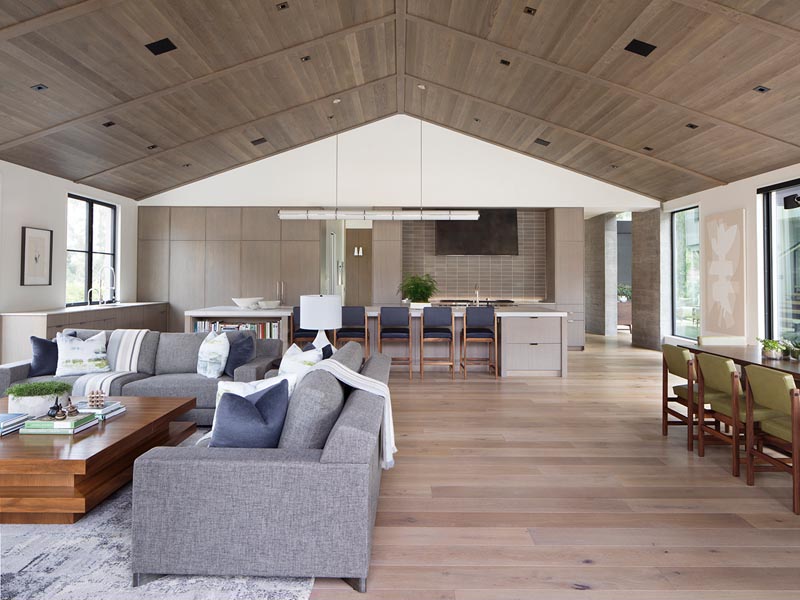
x=89, y=560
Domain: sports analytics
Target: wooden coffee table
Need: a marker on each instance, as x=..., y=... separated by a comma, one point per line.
x=59, y=478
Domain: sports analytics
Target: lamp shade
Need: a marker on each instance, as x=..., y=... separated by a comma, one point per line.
x=320, y=312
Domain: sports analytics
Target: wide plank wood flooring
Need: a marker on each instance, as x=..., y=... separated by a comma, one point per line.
x=546, y=488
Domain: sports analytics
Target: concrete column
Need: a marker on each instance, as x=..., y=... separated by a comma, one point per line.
x=601, y=274
x=651, y=286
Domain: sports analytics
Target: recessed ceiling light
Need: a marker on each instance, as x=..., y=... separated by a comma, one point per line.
x=161, y=46
x=109, y=124
x=529, y=10
x=648, y=149
x=421, y=86
x=639, y=47
x=152, y=146
x=541, y=142
x=761, y=89
x=282, y=5
x=258, y=141
x=186, y=165
x=39, y=87
x=305, y=58
x=505, y=62
x=476, y=119
x=615, y=166
x=692, y=125
x=337, y=100
x=330, y=117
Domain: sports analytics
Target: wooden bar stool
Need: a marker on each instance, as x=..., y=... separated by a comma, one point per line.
x=438, y=326
x=480, y=326
x=296, y=334
x=394, y=325
x=678, y=361
x=778, y=432
x=354, y=328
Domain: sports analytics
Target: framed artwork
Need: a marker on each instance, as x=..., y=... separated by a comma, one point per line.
x=724, y=286
x=37, y=256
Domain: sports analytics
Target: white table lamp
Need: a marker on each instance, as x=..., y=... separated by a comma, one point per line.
x=320, y=312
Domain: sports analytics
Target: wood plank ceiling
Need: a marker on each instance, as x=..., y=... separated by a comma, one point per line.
x=549, y=78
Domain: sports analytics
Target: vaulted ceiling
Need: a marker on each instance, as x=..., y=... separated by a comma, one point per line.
x=549, y=78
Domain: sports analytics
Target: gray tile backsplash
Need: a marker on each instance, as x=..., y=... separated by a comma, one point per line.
x=522, y=277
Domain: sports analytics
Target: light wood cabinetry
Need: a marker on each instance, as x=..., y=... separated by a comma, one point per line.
x=261, y=269
x=17, y=328
x=300, y=230
x=533, y=346
x=223, y=272
x=187, y=223
x=387, y=271
x=187, y=268
x=299, y=270
x=358, y=267
x=223, y=223
x=260, y=223
x=152, y=281
x=565, y=269
x=386, y=231
x=154, y=223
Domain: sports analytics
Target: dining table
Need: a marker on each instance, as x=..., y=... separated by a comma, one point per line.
x=748, y=355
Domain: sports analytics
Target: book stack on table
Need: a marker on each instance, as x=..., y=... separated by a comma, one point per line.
x=10, y=422
x=66, y=426
x=110, y=409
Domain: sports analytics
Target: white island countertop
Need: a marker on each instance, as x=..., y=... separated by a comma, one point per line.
x=234, y=312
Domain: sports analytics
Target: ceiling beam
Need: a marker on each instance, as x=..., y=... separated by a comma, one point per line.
x=54, y=18
x=744, y=18
x=513, y=52
x=248, y=64
x=400, y=9
x=254, y=123
x=575, y=132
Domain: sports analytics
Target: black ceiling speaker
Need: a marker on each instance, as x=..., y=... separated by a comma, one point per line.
x=792, y=201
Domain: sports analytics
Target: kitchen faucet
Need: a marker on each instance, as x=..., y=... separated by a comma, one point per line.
x=477, y=295
x=112, y=288
x=96, y=290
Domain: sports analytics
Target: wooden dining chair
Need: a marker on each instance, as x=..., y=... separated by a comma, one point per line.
x=438, y=327
x=720, y=387
x=678, y=362
x=354, y=328
x=394, y=325
x=480, y=326
x=778, y=433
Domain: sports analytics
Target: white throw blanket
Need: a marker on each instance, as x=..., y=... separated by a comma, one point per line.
x=124, y=346
x=361, y=382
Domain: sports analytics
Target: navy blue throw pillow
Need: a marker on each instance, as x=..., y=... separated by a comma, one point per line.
x=255, y=421
x=327, y=351
x=44, y=356
x=243, y=348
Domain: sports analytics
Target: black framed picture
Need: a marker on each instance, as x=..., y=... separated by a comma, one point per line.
x=37, y=256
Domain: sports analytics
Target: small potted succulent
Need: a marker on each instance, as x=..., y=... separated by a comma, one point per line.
x=624, y=292
x=35, y=399
x=418, y=289
x=771, y=348
x=791, y=349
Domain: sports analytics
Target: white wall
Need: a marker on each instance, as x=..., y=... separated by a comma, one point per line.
x=741, y=194
x=379, y=165
x=30, y=198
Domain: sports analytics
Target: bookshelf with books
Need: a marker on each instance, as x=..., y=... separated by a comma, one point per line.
x=266, y=323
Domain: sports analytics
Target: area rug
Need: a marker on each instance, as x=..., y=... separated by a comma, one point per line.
x=90, y=560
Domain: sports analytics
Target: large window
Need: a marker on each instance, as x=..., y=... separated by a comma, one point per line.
x=782, y=283
x=91, y=250
x=686, y=273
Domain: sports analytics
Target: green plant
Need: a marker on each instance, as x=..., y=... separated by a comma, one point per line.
x=624, y=291
x=418, y=288
x=771, y=344
x=41, y=388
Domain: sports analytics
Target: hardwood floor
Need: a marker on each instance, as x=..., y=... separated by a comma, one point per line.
x=548, y=488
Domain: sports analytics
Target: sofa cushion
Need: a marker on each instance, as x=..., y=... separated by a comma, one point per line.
x=298, y=362
x=78, y=357
x=177, y=385
x=147, y=353
x=243, y=350
x=44, y=356
x=316, y=403
x=177, y=352
x=253, y=421
x=213, y=355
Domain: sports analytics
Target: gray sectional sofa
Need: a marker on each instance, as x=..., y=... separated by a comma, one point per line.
x=306, y=508
x=167, y=367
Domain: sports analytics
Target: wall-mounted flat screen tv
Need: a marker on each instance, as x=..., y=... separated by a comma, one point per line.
x=494, y=233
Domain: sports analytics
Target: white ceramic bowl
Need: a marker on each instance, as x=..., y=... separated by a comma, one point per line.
x=247, y=302
x=269, y=303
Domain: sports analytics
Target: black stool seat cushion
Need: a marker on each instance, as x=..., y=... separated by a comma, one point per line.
x=480, y=332
x=442, y=333
x=305, y=333
x=350, y=333
x=395, y=333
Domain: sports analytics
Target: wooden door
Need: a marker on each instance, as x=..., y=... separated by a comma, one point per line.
x=358, y=267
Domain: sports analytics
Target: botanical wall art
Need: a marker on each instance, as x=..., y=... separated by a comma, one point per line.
x=724, y=282
x=37, y=256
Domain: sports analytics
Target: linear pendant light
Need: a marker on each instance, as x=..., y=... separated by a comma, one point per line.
x=335, y=214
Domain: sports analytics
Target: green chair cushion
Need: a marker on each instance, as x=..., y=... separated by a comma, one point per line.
x=676, y=359
x=771, y=388
x=682, y=391
x=722, y=403
x=779, y=426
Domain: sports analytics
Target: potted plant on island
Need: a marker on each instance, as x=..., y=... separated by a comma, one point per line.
x=35, y=399
x=771, y=348
x=623, y=292
x=418, y=289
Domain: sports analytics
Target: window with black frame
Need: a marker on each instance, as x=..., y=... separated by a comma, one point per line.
x=782, y=252
x=91, y=251
x=686, y=273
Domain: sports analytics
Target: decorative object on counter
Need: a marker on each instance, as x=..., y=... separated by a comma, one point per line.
x=771, y=348
x=96, y=399
x=266, y=304
x=623, y=292
x=245, y=303
x=36, y=398
x=321, y=312
x=37, y=256
x=418, y=289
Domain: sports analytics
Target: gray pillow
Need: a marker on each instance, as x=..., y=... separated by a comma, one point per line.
x=255, y=421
